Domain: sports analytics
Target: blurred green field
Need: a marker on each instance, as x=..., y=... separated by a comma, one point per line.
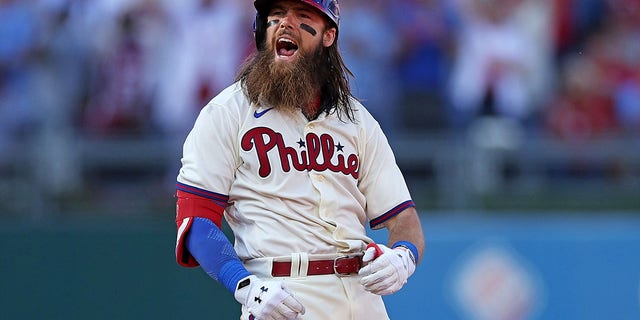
x=103, y=270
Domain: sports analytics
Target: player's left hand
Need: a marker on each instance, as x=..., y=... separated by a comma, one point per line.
x=386, y=270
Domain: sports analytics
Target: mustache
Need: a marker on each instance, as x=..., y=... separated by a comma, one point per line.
x=283, y=32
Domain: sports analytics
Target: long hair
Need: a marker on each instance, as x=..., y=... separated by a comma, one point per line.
x=336, y=93
x=335, y=89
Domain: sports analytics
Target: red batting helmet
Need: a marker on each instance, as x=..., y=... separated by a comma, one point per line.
x=330, y=8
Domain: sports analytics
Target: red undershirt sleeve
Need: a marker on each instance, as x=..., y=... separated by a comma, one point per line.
x=192, y=202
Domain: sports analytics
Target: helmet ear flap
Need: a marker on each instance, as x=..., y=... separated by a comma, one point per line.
x=259, y=30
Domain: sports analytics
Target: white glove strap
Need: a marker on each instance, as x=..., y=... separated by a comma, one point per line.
x=409, y=246
x=408, y=250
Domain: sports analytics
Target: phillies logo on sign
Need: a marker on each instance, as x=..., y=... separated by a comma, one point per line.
x=321, y=153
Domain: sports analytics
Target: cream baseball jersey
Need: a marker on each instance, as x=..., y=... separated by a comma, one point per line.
x=288, y=184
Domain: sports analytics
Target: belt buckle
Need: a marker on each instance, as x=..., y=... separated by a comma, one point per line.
x=335, y=264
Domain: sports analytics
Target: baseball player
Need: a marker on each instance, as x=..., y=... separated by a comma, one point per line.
x=297, y=167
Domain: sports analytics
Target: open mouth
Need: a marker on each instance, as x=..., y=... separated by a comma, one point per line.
x=286, y=47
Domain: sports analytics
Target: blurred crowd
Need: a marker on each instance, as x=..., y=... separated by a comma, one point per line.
x=569, y=68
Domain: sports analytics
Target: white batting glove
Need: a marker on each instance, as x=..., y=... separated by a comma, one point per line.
x=267, y=300
x=386, y=270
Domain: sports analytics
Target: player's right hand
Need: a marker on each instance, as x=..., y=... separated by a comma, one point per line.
x=267, y=300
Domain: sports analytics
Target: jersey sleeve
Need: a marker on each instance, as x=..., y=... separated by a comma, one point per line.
x=381, y=180
x=210, y=152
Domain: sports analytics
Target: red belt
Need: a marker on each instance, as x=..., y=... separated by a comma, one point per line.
x=341, y=266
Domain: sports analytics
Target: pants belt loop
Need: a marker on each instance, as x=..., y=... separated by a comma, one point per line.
x=304, y=264
x=295, y=265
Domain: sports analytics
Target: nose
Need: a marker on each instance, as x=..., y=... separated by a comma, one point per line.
x=286, y=21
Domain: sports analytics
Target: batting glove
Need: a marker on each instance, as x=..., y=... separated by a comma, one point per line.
x=267, y=300
x=386, y=270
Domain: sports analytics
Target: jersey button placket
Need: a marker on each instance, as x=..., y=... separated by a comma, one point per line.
x=320, y=185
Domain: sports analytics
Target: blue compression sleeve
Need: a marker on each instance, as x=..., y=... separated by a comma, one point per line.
x=211, y=248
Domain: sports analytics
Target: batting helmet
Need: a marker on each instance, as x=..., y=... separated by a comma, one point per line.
x=330, y=8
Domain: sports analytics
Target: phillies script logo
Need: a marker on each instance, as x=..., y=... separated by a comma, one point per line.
x=264, y=140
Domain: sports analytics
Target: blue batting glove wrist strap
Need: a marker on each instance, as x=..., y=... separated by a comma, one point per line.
x=409, y=246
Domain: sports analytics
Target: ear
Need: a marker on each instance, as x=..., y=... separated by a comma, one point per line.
x=328, y=37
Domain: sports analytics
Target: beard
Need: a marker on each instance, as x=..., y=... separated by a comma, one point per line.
x=287, y=86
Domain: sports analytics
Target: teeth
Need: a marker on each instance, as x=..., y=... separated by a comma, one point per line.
x=286, y=47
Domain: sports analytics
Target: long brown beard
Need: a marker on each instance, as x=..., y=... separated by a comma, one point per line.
x=285, y=86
